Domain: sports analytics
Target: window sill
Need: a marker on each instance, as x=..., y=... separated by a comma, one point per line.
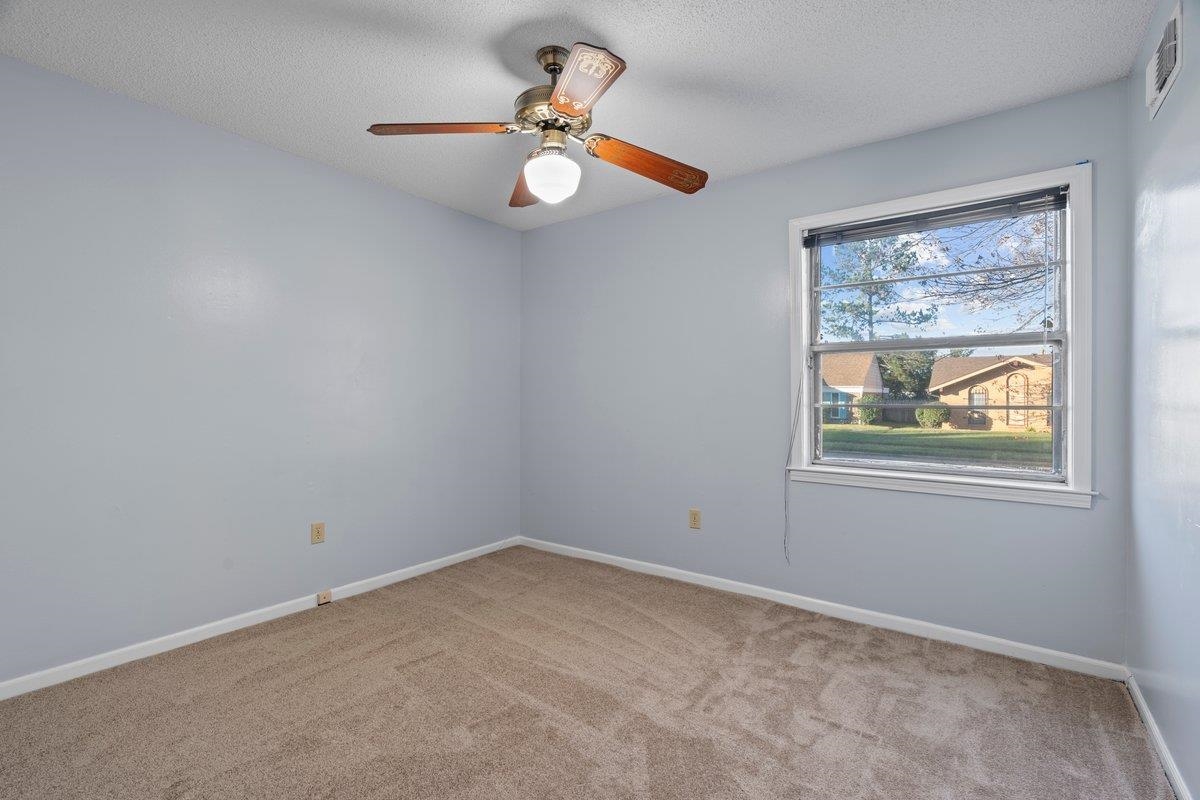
x=952, y=485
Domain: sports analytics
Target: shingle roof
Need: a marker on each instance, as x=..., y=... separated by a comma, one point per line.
x=949, y=369
x=846, y=369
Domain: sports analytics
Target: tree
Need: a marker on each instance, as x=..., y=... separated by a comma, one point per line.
x=856, y=313
x=906, y=373
x=1024, y=249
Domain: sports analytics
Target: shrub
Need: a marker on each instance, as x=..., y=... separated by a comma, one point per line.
x=933, y=415
x=869, y=415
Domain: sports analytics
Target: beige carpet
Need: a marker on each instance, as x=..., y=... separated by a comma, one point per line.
x=527, y=675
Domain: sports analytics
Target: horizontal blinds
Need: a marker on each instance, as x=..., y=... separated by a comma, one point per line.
x=1052, y=199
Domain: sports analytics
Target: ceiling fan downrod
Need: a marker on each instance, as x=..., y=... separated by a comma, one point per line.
x=552, y=58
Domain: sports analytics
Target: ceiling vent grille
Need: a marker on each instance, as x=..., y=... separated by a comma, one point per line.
x=1164, y=63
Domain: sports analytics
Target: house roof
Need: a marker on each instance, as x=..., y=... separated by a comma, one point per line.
x=952, y=369
x=846, y=369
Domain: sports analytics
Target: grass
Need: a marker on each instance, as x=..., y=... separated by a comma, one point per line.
x=910, y=442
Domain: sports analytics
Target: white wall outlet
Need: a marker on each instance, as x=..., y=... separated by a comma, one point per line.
x=324, y=597
x=316, y=532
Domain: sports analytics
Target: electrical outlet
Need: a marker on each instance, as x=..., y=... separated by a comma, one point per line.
x=694, y=518
x=316, y=532
x=324, y=597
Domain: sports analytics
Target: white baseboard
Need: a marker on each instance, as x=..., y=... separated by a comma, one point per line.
x=1160, y=744
x=366, y=585
x=84, y=666
x=65, y=672
x=916, y=627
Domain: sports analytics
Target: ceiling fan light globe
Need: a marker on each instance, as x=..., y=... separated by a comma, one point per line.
x=552, y=177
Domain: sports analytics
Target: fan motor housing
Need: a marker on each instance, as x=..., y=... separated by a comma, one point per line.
x=533, y=110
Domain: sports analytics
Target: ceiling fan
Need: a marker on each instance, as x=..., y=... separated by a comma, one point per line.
x=562, y=111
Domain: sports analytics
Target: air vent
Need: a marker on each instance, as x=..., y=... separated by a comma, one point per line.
x=1164, y=63
x=1165, y=56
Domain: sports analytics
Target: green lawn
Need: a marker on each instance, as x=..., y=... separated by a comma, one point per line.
x=913, y=443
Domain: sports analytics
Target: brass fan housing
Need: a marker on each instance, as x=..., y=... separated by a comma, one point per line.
x=533, y=111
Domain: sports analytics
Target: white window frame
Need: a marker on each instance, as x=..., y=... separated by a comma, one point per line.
x=1076, y=490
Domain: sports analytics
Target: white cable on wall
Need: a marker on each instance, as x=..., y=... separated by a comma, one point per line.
x=787, y=475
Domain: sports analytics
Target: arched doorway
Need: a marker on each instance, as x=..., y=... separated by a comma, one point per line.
x=1018, y=391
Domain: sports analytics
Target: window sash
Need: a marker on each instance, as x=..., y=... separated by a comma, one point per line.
x=1057, y=265
x=1057, y=337
x=1056, y=409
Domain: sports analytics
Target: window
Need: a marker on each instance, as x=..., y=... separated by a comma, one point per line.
x=959, y=324
x=977, y=398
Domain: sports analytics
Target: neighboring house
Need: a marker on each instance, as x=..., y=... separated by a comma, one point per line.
x=970, y=384
x=845, y=378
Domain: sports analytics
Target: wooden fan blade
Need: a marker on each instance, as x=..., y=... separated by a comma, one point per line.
x=666, y=171
x=588, y=73
x=521, y=195
x=409, y=128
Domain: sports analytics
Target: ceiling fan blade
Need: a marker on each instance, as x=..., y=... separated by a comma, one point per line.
x=666, y=171
x=588, y=73
x=408, y=128
x=521, y=195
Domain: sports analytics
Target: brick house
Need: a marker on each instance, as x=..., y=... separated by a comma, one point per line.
x=971, y=384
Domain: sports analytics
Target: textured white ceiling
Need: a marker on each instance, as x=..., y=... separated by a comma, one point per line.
x=732, y=87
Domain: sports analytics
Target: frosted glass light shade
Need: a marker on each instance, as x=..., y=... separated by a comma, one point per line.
x=552, y=177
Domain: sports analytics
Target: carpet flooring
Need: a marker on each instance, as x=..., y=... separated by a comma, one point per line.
x=523, y=674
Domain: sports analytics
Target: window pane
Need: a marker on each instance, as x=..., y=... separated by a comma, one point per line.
x=953, y=304
x=989, y=408
x=1027, y=240
x=984, y=277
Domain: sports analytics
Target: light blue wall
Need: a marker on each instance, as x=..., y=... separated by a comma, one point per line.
x=655, y=378
x=205, y=344
x=1164, y=559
